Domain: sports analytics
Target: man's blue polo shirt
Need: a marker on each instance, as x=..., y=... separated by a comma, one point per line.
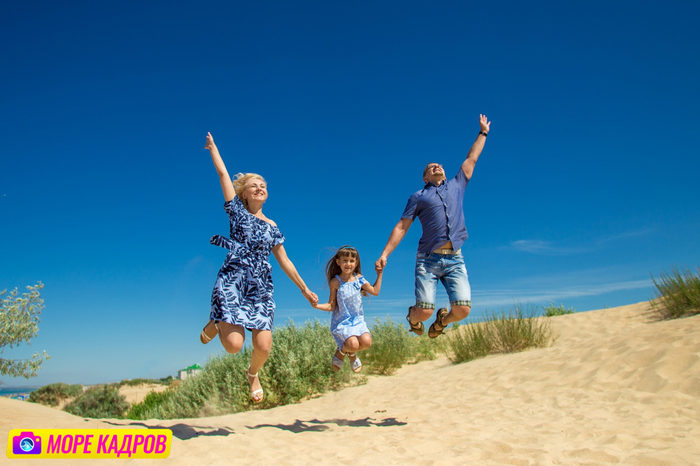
x=441, y=213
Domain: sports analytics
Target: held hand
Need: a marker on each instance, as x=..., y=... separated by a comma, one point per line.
x=210, y=142
x=310, y=296
x=380, y=264
x=378, y=269
x=484, y=123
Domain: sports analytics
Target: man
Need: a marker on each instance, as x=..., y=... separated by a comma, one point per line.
x=439, y=207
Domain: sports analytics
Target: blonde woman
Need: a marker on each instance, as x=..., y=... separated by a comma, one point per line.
x=242, y=296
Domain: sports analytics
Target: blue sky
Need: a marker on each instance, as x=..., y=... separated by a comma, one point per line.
x=587, y=185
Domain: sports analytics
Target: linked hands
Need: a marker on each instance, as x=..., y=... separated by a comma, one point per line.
x=380, y=264
x=310, y=296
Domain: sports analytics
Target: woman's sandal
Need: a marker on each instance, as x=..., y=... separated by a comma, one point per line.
x=417, y=328
x=205, y=337
x=336, y=362
x=255, y=395
x=355, y=364
x=437, y=327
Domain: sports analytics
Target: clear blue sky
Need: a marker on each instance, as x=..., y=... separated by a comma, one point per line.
x=586, y=187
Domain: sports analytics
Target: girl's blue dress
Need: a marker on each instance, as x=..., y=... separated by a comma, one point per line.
x=348, y=318
x=243, y=290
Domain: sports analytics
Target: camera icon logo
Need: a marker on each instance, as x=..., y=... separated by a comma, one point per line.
x=26, y=443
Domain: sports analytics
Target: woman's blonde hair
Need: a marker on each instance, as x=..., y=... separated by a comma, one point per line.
x=241, y=179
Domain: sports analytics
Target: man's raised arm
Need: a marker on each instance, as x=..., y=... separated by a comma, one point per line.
x=477, y=147
x=395, y=238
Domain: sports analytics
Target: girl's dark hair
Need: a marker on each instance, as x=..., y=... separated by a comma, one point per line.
x=333, y=269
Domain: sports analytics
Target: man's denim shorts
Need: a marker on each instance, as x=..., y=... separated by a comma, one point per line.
x=450, y=270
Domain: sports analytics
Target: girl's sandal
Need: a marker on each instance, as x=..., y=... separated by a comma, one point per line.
x=205, y=337
x=255, y=395
x=337, y=362
x=355, y=363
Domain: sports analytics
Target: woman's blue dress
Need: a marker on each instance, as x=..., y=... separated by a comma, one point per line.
x=243, y=290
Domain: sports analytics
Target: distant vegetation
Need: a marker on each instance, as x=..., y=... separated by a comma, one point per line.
x=99, y=401
x=136, y=382
x=53, y=394
x=678, y=294
x=552, y=310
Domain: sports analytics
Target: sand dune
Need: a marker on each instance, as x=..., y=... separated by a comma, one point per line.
x=615, y=387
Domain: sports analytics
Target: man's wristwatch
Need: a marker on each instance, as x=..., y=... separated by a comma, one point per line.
x=484, y=133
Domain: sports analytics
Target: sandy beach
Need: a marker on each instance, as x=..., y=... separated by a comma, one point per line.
x=617, y=386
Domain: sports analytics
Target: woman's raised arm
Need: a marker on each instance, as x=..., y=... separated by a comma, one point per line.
x=224, y=178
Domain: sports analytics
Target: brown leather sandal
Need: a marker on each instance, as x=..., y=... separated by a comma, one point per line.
x=437, y=327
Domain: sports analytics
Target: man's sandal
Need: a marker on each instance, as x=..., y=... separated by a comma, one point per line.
x=255, y=395
x=355, y=364
x=205, y=337
x=416, y=328
x=336, y=362
x=438, y=326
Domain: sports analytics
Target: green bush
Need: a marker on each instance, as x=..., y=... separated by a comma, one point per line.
x=500, y=333
x=393, y=346
x=299, y=366
x=98, y=402
x=148, y=405
x=53, y=394
x=678, y=294
x=552, y=310
x=469, y=342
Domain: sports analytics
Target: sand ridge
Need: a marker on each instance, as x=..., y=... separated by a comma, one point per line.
x=617, y=386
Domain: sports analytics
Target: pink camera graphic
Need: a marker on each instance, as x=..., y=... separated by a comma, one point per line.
x=26, y=443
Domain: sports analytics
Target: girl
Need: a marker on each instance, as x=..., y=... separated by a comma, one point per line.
x=242, y=296
x=348, y=323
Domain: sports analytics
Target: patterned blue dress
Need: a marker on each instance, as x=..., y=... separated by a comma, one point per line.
x=243, y=290
x=348, y=318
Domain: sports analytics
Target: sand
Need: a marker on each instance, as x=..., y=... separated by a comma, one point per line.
x=136, y=393
x=617, y=386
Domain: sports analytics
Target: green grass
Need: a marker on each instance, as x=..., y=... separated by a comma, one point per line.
x=393, y=346
x=551, y=310
x=506, y=332
x=299, y=365
x=98, y=402
x=678, y=294
x=53, y=394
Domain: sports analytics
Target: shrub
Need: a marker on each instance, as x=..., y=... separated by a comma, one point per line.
x=99, y=401
x=500, y=333
x=299, y=366
x=53, y=394
x=469, y=342
x=552, y=310
x=678, y=294
x=393, y=346
x=148, y=405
